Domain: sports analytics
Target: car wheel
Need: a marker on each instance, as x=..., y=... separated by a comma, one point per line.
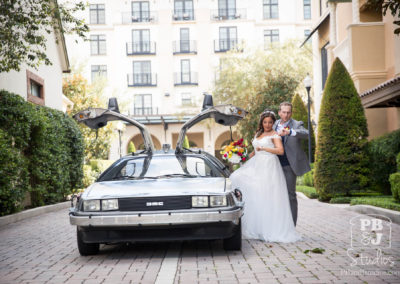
x=84, y=248
x=234, y=242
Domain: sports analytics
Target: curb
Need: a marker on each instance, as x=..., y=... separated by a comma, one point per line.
x=369, y=209
x=301, y=195
x=32, y=213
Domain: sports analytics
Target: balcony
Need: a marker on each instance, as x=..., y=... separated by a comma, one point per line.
x=144, y=111
x=183, y=15
x=364, y=58
x=224, y=45
x=184, y=46
x=142, y=80
x=141, y=48
x=139, y=17
x=228, y=14
x=184, y=79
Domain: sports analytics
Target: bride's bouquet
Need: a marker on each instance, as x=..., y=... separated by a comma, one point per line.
x=235, y=152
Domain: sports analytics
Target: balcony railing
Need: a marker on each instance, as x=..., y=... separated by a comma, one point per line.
x=140, y=47
x=184, y=46
x=144, y=110
x=223, y=45
x=228, y=14
x=183, y=15
x=142, y=80
x=189, y=78
x=139, y=17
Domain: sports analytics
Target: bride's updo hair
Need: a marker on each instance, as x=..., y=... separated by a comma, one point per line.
x=263, y=115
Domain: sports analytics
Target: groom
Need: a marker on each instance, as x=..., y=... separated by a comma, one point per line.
x=294, y=161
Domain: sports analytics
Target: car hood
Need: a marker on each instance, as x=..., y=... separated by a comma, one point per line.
x=158, y=187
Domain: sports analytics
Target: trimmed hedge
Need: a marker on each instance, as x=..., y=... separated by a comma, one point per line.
x=382, y=153
x=340, y=158
x=46, y=148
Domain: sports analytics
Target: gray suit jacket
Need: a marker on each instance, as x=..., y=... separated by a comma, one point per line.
x=297, y=158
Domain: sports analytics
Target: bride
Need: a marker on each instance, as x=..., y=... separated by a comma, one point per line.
x=267, y=214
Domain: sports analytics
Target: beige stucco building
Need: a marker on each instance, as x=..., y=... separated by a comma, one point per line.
x=366, y=44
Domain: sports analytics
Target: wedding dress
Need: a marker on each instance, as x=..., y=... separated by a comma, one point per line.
x=267, y=215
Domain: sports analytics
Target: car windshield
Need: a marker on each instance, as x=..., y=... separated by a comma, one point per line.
x=154, y=167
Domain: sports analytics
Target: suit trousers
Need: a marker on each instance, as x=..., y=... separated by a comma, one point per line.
x=291, y=187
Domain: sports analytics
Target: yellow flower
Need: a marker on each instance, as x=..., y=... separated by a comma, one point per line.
x=241, y=150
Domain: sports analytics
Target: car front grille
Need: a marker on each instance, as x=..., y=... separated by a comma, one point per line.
x=155, y=203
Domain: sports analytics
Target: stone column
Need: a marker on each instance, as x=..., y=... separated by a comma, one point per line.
x=332, y=24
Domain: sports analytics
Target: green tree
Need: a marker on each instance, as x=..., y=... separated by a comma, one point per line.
x=83, y=95
x=340, y=159
x=24, y=27
x=131, y=147
x=300, y=113
x=258, y=79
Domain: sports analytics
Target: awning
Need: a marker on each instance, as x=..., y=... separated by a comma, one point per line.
x=319, y=23
x=386, y=94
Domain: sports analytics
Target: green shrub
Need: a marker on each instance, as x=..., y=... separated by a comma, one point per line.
x=340, y=160
x=300, y=113
x=89, y=176
x=340, y=199
x=308, y=178
x=310, y=192
x=50, y=145
x=100, y=166
x=382, y=153
x=398, y=162
x=395, y=186
x=14, y=181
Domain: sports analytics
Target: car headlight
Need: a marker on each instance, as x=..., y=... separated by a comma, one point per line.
x=199, y=201
x=91, y=205
x=218, y=200
x=109, y=204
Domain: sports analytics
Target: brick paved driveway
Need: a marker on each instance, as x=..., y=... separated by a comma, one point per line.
x=43, y=250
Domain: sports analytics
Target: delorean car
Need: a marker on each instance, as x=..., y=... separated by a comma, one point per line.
x=159, y=195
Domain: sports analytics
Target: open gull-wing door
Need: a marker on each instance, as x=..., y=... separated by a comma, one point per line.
x=96, y=118
x=223, y=114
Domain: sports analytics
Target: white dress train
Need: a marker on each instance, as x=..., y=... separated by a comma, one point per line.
x=267, y=215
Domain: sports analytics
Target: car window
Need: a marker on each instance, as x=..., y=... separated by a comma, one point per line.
x=158, y=166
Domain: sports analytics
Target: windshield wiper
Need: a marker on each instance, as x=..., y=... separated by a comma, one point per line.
x=177, y=175
x=131, y=177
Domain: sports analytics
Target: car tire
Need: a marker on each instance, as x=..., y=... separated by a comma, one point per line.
x=84, y=248
x=234, y=242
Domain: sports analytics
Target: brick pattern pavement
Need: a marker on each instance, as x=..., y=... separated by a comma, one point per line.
x=43, y=250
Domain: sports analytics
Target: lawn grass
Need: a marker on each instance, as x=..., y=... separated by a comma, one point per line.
x=310, y=192
x=363, y=198
x=384, y=201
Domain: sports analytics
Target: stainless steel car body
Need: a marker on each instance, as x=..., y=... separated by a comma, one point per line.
x=163, y=204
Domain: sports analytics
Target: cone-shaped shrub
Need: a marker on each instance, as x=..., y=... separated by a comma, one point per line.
x=186, y=143
x=131, y=147
x=340, y=160
x=300, y=113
